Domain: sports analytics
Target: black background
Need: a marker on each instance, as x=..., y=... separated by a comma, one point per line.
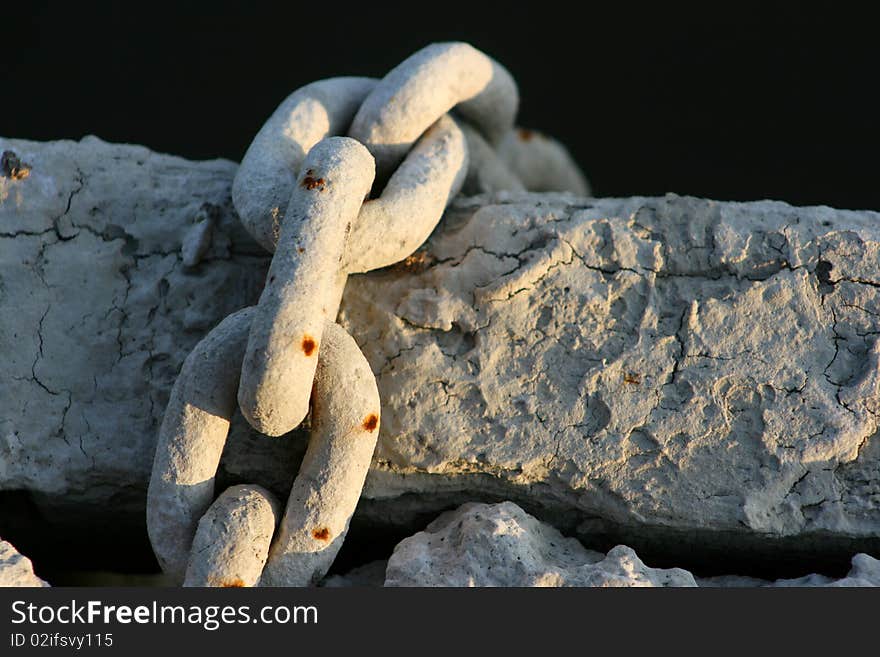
x=727, y=101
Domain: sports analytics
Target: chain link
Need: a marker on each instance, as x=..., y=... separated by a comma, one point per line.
x=303, y=192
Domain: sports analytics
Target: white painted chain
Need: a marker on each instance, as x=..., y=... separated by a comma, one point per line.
x=303, y=192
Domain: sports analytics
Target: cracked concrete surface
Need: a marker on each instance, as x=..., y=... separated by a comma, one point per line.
x=656, y=364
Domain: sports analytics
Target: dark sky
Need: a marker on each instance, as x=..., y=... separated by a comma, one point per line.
x=737, y=104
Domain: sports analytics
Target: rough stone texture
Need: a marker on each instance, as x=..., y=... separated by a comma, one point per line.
x=865, y=572
x=16, y=569
x=501, y=545
x=676, y=369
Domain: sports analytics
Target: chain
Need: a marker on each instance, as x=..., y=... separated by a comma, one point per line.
x=300, y=191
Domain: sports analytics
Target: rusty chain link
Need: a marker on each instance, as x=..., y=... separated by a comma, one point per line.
x=304, y=193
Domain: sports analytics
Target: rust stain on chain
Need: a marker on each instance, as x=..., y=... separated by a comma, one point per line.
x=232, y=584
x=371, y=422
x=311, y=183
x=309, y=345
x=321, y=534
